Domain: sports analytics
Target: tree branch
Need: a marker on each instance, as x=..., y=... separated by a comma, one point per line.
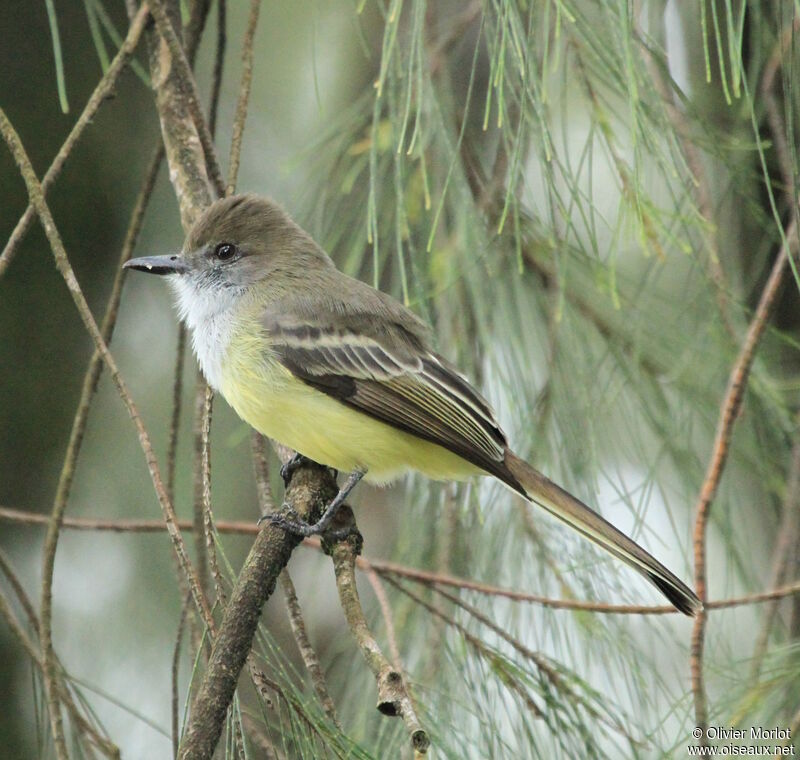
x=393, y=697
x=310, y=490
x=36, y=196
x=729, y=411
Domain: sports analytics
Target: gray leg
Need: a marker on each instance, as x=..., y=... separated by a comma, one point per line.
x=300, y=528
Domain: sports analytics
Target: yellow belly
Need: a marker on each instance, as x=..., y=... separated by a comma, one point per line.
x=268, y=397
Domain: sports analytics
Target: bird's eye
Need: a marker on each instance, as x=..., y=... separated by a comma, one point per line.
x=225, y=251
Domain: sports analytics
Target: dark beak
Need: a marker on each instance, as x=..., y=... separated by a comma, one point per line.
x=158, y=264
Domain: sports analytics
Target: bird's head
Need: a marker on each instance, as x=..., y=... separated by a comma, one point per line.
x=238, y=242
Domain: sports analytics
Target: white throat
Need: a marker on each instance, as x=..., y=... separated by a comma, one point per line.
x=210, y=317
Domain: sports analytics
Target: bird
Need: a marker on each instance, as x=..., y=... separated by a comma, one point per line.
x=346, y=375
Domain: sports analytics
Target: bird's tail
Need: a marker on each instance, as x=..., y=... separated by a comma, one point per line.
x=577, y=515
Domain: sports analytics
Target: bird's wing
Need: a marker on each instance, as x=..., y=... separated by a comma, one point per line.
x=383, y=370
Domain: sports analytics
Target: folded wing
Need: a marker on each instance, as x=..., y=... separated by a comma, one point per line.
x=390, y=375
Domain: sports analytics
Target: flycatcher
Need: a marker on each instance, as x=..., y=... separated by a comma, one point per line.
x=344, y=374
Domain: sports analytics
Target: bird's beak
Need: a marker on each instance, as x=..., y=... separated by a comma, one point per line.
x=158, y=264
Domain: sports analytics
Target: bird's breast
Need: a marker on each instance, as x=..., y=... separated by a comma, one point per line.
x=212, y=340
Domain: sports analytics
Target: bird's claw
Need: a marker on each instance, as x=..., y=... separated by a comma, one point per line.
x=288, y=469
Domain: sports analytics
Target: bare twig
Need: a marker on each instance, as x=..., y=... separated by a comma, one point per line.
x=261, y=470
x=182, y=70
x=88, y=389
x=219, y=60
x=388, y=568
x=100, y=94
x=81, y=723
x=307, y=652
x=62, y=263
x=201, y=421
x=393, y=698
x=729, y=411
x=491, y=657
x=787, y=538
x=176, y=661
x=735, y=392
x=182, y=143
x=386, y=612
x=175, y=417
x=207, y=515
x=244, y=96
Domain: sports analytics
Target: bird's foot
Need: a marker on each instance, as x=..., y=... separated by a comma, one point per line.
x=300, y=527
x=288, y=469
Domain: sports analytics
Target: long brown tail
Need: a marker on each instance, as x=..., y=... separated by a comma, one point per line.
x=577, y=515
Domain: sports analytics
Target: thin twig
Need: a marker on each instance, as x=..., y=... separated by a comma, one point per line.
x=244, y=96
x=187, y=163
x=100, y=94
x=177, y=400
x=388, y=568
x=19, y=589
x=63, y=265
x=393, y=698
x=207, y=514
x=496, y=663
x=219, y=60
x=386, y=613
x=729, y=412
x=261, y=471
x=102, y=742
x=176, y=661
x=88, y=389
x=307, y=652
x=787, y=538
x=734, y=395
x=200, y=477
x=183, y=70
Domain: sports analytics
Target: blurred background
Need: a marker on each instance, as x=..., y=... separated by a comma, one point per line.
x=585, y=199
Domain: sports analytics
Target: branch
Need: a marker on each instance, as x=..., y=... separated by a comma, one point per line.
x=182, y=143
x=393, y=698
x=787, y=539
x=311, y=488
x=307, y=652
x=36, y=196
x=180, y=72
x=737, y=383
x=244, y=96
x=729, y=411
x=387, y=568
x=102, y=742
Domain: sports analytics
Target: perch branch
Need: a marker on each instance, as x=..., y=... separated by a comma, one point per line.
x=310, y=489
x=393, y=698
